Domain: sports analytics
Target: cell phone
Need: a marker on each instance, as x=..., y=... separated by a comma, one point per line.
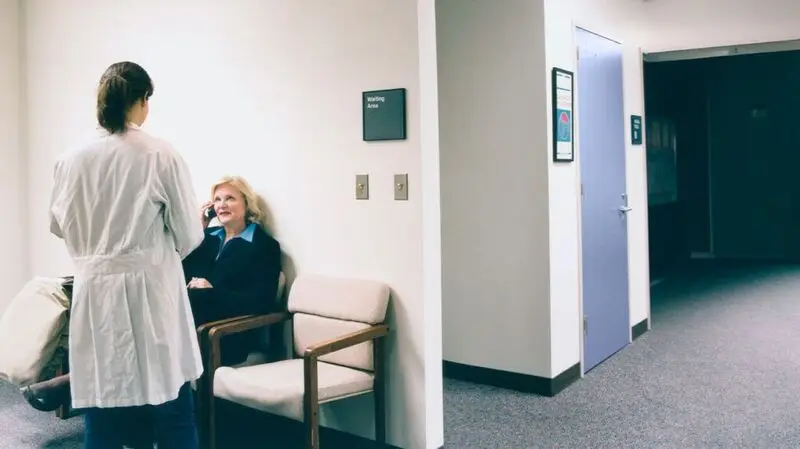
x=211, y=213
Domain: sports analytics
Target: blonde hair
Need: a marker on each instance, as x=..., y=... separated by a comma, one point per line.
x=253, y=213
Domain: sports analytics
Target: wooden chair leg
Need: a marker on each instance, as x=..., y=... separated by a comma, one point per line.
x=205, y=397
x=211, y=422
x=312, y=430
x=207, y=422
x=65, y=410
x=311, y=403
x=379, y=392
x=199, y=397
x=210, y=403
x=201, y=407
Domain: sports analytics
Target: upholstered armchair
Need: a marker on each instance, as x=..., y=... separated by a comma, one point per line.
x=338, y=331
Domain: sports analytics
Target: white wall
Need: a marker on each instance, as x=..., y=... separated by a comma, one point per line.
x=14, y=264
x=605, y=18
x=688, y=24
x=272, y=91
x=496, y=276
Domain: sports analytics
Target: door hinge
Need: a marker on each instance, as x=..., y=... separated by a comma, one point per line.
x=577, y=52
x=585, y=325
x=581, y=189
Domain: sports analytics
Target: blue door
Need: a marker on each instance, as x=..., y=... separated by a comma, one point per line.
x=604, y=206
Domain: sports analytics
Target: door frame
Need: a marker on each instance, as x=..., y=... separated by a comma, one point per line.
x=576, y=25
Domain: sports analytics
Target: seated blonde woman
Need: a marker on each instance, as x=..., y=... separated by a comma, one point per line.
x=234, y=272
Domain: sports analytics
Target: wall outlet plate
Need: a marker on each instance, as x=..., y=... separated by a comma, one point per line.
x=362, y=187
x=401, y=187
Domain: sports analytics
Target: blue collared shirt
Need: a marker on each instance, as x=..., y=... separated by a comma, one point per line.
x=247, y=235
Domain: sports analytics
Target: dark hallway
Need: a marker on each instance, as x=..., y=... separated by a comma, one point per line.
x=722, y=144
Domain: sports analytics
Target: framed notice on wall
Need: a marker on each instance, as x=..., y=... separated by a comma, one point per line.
x=563, y=115
x=384, y=114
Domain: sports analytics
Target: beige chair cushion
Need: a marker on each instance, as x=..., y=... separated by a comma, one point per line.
x=30, y=330
x=311, y=329
x=254, y=358
x=278, y=387
x=345, y=299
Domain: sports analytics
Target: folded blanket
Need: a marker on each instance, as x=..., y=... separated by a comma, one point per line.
x=33, y=331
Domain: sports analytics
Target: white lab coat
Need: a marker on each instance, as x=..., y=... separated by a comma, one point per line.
x=126, y=209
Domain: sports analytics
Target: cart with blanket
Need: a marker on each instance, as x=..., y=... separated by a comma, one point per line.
x=34, y=333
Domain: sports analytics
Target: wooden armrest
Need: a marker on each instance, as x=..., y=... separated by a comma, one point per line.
x=345, y=341
x=246, y=323
x=205, y=327
x=236, y=326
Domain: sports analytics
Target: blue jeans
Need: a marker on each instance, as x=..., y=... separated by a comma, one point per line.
x=172, y=425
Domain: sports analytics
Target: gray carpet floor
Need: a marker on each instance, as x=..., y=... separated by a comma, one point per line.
x=719, y=369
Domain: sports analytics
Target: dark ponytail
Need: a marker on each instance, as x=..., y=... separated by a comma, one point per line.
x=122, y=85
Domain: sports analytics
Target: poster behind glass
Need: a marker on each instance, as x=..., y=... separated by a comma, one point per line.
x=662, y=170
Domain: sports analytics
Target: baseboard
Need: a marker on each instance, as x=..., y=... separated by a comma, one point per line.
x=526, y=383
x=639, y=329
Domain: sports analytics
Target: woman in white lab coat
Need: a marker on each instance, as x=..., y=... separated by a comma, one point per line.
x=124, y=203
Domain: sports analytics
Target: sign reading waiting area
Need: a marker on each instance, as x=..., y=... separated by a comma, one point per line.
x=384, y=114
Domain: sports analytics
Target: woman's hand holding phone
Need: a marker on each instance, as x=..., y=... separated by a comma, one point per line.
x=207, y=213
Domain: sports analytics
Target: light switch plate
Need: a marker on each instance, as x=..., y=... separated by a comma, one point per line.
x=362, y=187
x=401, y=187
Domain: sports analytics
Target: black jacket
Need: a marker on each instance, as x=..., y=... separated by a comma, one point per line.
x=244, y=275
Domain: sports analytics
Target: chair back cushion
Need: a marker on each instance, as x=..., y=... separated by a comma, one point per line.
x=326, y=308
x=358, y=300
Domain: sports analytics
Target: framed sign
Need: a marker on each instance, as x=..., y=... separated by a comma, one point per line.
x=563, y=86
x=636, y=129
x=384, y=114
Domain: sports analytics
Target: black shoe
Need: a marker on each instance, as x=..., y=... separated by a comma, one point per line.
x=38, y=402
